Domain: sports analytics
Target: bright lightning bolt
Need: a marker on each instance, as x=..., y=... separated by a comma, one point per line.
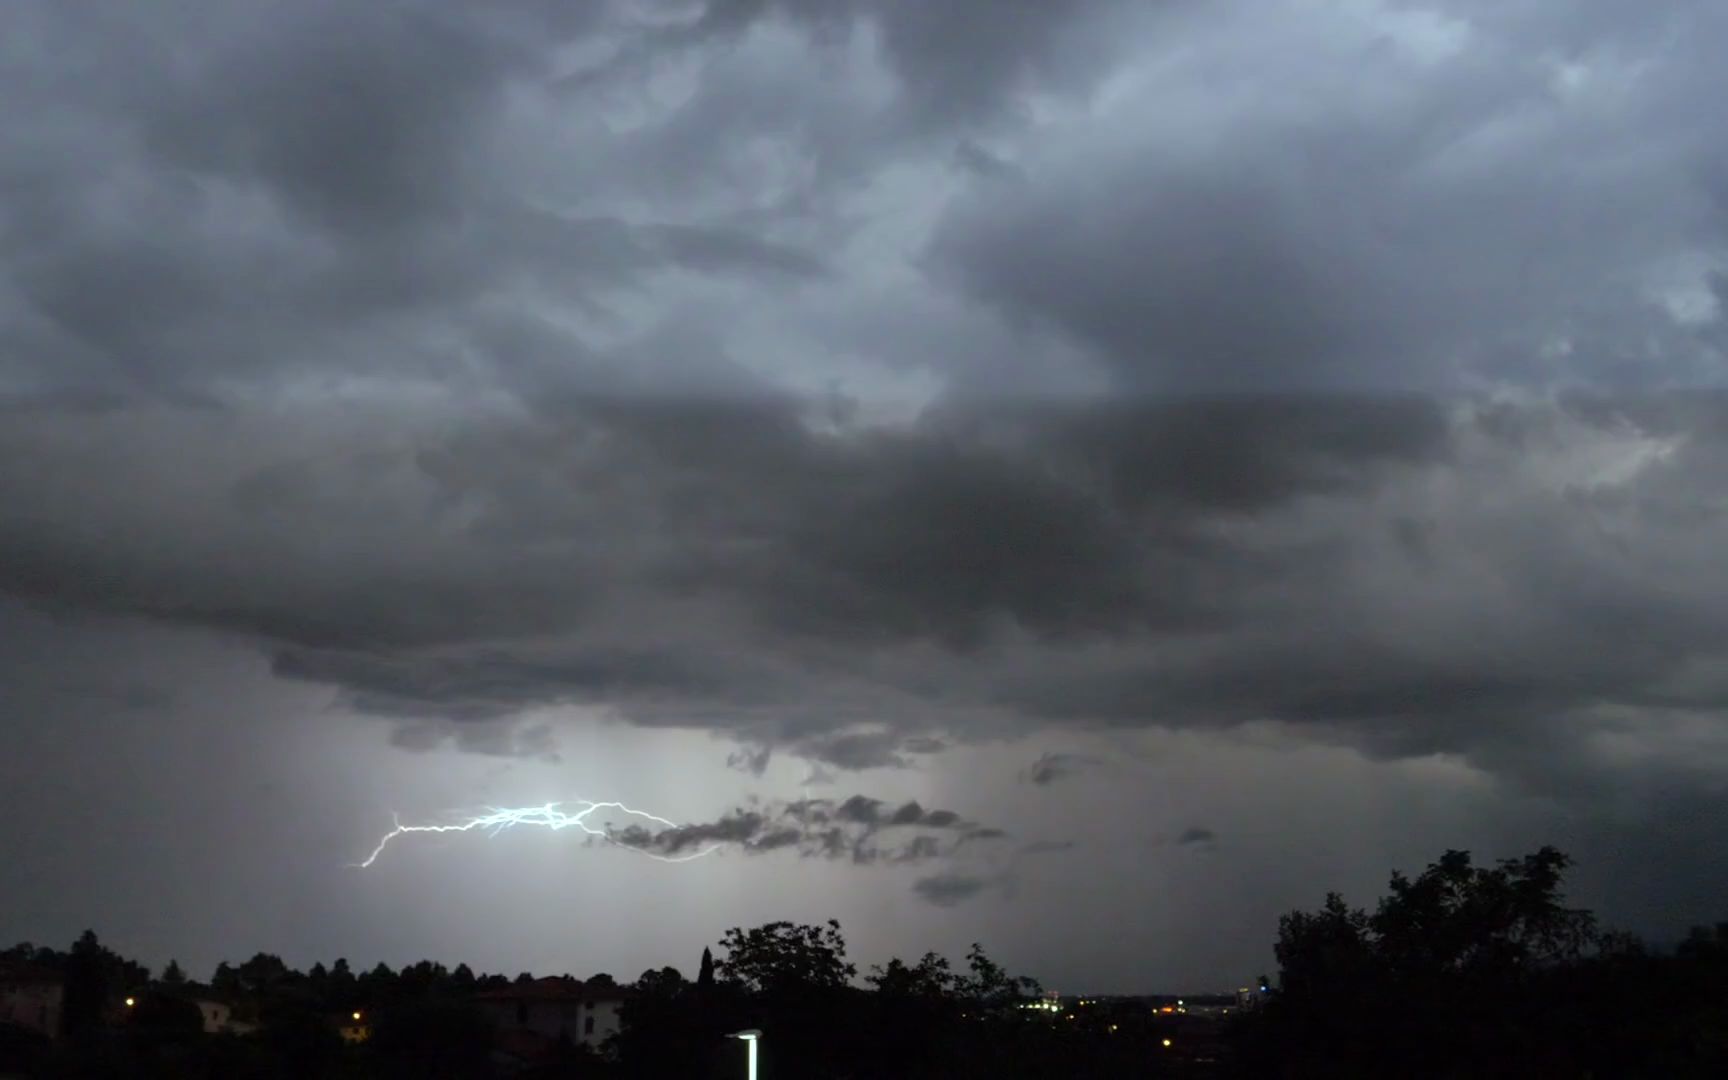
x=548, y=816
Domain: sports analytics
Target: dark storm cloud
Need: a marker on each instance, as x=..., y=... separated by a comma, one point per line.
x=263, y=190
x=134, y=697
x=1357, y=603
x=1048, y=847
x=1320, y=247
x=499, y=683
x=950, y=537
x=859, y=829
x=873, y=813
x=360, y=119
x=374, y=338
x=872, y=750
x=958, y=61
x=491, y=738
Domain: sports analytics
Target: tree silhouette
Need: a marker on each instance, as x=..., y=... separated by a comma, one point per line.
x=433, y=1038
x=990, y=987
x=1458, y=949
x=780, y=957
x=705, y=974
x=86, y=989
x=225, y=981
x=932, y=980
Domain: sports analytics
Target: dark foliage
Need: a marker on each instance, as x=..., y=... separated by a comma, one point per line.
x=1470, y=971
x=1462, y=971
x=435, y=1038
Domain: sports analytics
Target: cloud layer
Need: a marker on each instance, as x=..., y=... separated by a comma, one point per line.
x=851, y=383
x=859, y=829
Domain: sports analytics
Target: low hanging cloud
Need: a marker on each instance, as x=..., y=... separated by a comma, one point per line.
x=859, y=829
x=1438, y=595
x=847, y=751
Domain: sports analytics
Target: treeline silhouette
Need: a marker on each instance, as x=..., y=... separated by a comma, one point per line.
x=1462, y=971
x=1470, y=971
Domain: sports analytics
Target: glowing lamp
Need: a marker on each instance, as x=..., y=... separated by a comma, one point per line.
x=750, y=1036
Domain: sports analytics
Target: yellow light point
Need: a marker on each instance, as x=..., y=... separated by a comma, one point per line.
x=130, y=1002
x=1166, y=1044
x=356, y=1015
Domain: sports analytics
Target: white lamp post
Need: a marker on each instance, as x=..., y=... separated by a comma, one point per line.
x=749, y=1036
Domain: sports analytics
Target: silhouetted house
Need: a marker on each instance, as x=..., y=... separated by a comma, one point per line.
x=354, y=1027
x=553, y=1009
x=31, y=998
x=215, y=1014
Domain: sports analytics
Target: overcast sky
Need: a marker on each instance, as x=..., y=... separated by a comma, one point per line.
x=1203, y=454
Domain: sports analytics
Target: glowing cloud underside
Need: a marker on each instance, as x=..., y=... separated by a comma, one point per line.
x=549, y=816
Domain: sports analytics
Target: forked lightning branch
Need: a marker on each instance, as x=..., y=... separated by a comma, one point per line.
x=550, y=815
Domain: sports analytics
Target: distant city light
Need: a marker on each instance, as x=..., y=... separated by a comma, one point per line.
x=1166, y=1044
x=356, y=1014
x=130, y=1002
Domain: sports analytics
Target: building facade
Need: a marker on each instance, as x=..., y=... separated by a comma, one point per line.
x=556, y=1009
x=216, y=1015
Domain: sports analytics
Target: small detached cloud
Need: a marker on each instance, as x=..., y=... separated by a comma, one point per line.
x=855, y=751
x=949, y=889
x=1052, y=767
x=752, y=759
x=1198, y=839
